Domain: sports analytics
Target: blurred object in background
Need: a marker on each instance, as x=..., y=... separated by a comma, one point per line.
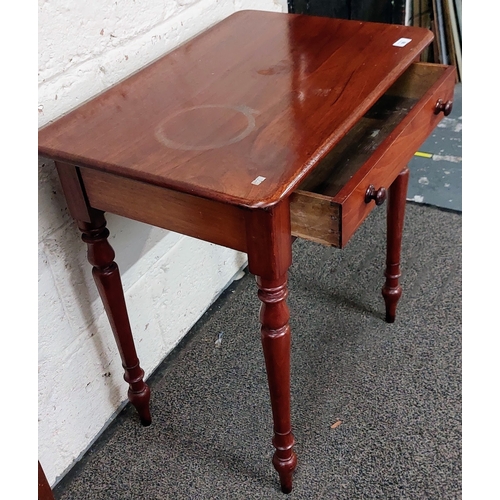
x=442, y=17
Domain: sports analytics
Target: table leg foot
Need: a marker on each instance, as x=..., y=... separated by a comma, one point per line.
x=139, y=395
x=285, y=470
x=276, y=340
x=107, y=278
x=391, y=297
x=392, y=290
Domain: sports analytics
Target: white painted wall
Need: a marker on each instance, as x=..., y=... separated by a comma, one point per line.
x=169, y=280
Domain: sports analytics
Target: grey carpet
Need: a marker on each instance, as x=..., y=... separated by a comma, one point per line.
x=395, y=388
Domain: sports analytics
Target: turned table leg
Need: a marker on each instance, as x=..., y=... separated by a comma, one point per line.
x=391, y=290
x=269, y=256
x=275, y=337
x=107, y=277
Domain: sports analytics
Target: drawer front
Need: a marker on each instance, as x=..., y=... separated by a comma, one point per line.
x=344, y=212
x=392, y=156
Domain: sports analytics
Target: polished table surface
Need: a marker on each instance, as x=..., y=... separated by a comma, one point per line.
x=213, y=140
x=260, y=95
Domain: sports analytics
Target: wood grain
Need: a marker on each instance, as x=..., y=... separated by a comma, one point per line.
x=213, y=140
x=74, y=192
x=315, y=217
x=260, y=94
x=393, y=154
x=269, y=257
x=330, y=204
x=212, y=221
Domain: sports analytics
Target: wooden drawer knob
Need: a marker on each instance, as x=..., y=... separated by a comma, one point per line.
x=445, y=107
x=379, y=195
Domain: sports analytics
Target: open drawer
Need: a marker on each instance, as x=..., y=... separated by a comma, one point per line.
x=332, y=202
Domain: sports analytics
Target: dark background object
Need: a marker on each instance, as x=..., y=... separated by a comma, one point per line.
x=383, y=11
x=442, y=17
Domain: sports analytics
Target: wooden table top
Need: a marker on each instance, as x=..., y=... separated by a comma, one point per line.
x=242, y=112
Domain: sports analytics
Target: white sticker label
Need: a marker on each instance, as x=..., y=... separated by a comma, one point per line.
x=258, y=180
x=402, y=42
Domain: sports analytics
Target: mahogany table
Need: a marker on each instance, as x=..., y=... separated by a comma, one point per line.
x=265, y=127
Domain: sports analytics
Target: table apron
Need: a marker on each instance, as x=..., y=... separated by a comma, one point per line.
x=208, y=220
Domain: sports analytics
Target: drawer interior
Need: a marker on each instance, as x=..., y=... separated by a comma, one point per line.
x=347, y=157
x=330, y=204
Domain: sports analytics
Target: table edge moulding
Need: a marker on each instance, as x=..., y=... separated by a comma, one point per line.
x=265, y=127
